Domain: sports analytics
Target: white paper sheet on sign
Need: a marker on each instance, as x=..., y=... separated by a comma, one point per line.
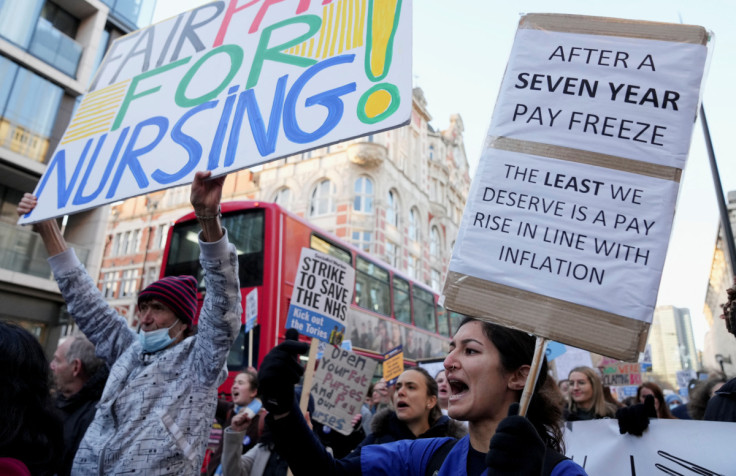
x=665, y=448
x=223, y=88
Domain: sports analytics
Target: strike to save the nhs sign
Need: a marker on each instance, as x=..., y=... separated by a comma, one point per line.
x=227, y=86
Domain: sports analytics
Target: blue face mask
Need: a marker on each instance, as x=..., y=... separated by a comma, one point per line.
x=153, y=341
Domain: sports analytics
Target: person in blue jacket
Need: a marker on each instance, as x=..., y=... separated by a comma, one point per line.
x=487, y=369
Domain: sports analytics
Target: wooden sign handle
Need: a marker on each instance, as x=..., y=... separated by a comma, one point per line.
x=308, y=375
x=539, y=350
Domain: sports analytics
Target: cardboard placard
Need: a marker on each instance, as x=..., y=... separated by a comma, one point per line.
x=567, y=222
x=340, y=386
x=227, y=86
x=323, y=290
x=665, y=448
x=393, y=365
x=622, y=374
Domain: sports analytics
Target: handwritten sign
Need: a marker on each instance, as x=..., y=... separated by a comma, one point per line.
x=340, y=385
x=323, y=290
x=393, y=365
x=251, y=309
x=621, y=374
x=565, y=230
x=227, y=86
x=665, y=448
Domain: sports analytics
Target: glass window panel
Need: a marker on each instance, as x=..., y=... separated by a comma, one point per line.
x=322, y=200
x=245, y=231
x=402, y=303
x=33, y=103
x=18, y=20
x=8, y=69
x=443, y=325
x=323, y=246
x=372, y=288
x=283, y=196
x=424, y=309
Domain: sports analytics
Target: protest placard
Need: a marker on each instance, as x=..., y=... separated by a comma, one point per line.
x=568, y=218
x=621, y=374
x=251, y=309
x=573, y=357
x=323, y=290
x=393, y=365
x=340, y=386
x=227, y=86
x=665, y=448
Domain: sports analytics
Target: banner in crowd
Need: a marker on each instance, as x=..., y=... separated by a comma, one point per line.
x=621, y=374
x=393, y=365
x=665, y=448
x=227, y=86
x=566, y=226
x=323, y=290
x=251, y=309
x=340, y=386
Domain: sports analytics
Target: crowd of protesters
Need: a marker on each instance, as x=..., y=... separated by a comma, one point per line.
x=144, y=401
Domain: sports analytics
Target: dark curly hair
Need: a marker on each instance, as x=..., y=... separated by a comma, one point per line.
x=516, y=348
x=30, y=429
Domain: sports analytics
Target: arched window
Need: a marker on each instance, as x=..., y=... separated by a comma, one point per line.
x=282, y=197
x=363, y=201
x=392, y=210
x=414, y=224
x=322, y=202
x=435, y=243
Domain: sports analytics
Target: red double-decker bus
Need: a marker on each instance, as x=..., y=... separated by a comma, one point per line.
x=388, y=308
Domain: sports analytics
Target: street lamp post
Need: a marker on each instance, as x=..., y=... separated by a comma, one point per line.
x=723, y=360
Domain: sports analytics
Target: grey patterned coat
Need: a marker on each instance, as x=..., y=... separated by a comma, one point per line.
x=155, y=414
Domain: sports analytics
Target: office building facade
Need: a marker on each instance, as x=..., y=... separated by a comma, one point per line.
x=49, y=51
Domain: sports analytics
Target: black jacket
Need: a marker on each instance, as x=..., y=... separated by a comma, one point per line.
x=722, y=406
x=386, y=427
x=77, y=413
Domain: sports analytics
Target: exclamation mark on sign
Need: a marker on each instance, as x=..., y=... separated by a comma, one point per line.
x=381, y=100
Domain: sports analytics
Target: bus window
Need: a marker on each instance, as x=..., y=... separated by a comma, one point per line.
x=323, y=246
x=423, y=309
x=372, y=287
x=237, y=359
x=402, y=304
x=443, y=326
x=245, y=231
x=455, y=319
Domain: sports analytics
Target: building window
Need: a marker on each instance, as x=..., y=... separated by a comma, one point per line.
x=53, y=41
x=392, y=210
x=129, y=283
x=434, y=242
x=123, y=245
x=362, y=240
x=413, y=267
x=392, y=254
x=135, y=242
x=18, y=20
x=322, y=201
x=363, y=201
x=431, y=152
x=9, y=200
x=282, y=198
x=436, y=280
x=159, y=240
x=109, y=284
x=414, y=225
x=151, y=276
x=28, y=108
